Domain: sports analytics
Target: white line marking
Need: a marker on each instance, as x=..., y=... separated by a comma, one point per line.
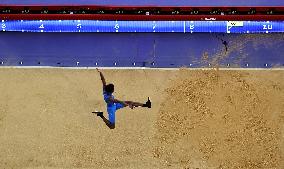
x=183, y=26
x=132, y=68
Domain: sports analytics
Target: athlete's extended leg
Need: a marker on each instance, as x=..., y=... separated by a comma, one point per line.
x=137, y=104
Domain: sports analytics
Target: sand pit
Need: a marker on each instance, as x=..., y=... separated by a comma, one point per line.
x=200, y=119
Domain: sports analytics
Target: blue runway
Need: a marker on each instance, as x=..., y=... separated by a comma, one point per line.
x=157, y=50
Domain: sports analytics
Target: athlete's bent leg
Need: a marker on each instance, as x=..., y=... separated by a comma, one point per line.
x=111, y=117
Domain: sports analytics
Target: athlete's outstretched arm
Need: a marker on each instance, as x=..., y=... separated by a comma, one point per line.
x=102, y=78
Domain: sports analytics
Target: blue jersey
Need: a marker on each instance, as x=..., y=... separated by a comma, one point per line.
x=106, y=96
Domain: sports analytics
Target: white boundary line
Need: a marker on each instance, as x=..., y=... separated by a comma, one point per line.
x=132, y=68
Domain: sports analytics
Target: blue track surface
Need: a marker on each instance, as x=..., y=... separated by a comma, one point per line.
x=151, y=2
x=143, y=49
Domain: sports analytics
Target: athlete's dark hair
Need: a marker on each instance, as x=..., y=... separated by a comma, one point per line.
x=109, y=88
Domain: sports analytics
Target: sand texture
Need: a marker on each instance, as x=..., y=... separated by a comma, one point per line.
x=199, y=119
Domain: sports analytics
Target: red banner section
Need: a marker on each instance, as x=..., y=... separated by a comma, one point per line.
x=142, y=18
x=141, y=13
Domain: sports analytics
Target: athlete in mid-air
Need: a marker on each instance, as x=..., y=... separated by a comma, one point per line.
x=115, y=104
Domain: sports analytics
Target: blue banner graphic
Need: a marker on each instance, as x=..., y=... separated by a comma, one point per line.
x=142, y=26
